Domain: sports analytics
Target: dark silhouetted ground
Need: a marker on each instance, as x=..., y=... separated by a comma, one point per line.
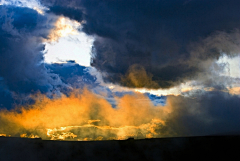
x=183, y=148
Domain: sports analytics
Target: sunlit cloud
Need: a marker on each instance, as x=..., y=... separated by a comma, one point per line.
x=232, y=68
x=125, y=59
x=85, y=117
x=64, y=27
x=227, y=74
x=38, y=10
x=34, y=4
x=67, y=42
x=234, y=90
x=3, y=135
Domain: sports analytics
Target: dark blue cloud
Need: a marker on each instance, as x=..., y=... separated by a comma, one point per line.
x=21, y=56
x=157, y=35
x=72, y=13
x=75, y=75
x=154, y=34
x=24, y=18
x=22, y=70
x=208, y=114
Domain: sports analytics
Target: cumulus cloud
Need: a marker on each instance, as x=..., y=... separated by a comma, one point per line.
x=209, y=114
x=137, y=76
x=85, y=116
x=63, y=27
x=138, y=44
x=22, y=32
x=158, y=35
x=73, y=74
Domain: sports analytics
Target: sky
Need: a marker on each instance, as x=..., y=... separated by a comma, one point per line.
x=103, y=69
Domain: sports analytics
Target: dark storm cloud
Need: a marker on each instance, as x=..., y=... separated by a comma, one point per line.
x=22, y=70
x=207, y=114
x=155, y=36
x=72, y=13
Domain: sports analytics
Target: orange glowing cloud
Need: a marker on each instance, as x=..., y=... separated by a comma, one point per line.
x=234, y=90
x=138, y=77
x=85, y=116
x=63, y=27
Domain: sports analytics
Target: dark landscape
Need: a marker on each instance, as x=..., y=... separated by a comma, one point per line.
x=181, y=148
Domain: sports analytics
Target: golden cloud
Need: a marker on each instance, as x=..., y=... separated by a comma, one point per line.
x=63, y=27
x=85, y=116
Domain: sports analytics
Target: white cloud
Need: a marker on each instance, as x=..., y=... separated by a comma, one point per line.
x=232, y=68
x=34, y=4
